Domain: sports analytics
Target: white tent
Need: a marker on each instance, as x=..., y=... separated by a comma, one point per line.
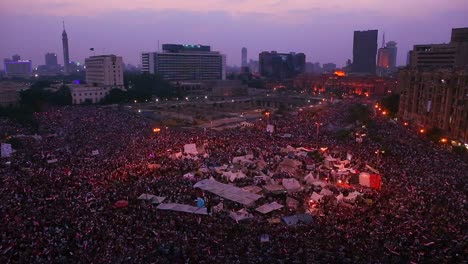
x=189, y=176
x=158, y=199
x=364, y=179
x=145, y=196
x=274, y=188
x=326, y=192
x=310, y=178
x=240, y=215
x=190, y=149
x=232, y=176
x=228, y=191
x=266, y=208
x=316, y=197
x=292, y=185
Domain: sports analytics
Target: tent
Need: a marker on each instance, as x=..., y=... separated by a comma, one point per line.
x=158, y=199
x=274, y=188
x=292, y=185
x=266, y=208
x=189, y=176
x=190, y=149
x=289, y=166
x=243, y=159
x=146, y=197
x=182, y=208
x=228, y=191
x=316, y=197
x=232, y=176
x=240, y=215
x=253, y=189
x=326, y=192
x=364, y=179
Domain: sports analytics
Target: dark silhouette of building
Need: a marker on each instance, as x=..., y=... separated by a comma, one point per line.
x=281, y=65
x=244, y=58
x=51, y=60
x=364, y=51
x=66, y=56
x=329, y=67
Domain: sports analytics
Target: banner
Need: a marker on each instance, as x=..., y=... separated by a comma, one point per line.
x=95, y=152
x=6, y=150
x=190, y=149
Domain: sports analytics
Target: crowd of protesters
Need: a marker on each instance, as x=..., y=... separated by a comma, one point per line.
x=57, y=196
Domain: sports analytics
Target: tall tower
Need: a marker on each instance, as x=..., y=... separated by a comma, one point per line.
x=66, y=57
x=244, y=57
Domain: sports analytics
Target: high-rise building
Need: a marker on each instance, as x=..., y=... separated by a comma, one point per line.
x=364, y=51
x=66, y=56
x=392, y=49
x=244, y=57
x=185, y=63
x=436, y=56
x=435, y=98
x=281, y=65
x=105, y=71
x=17, y=68
x=51, y=60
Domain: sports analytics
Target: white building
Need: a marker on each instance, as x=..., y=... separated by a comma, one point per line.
x=82, y=94
x=105, y=71
x=185, y=63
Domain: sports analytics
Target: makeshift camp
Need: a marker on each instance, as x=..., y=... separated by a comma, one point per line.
x=240, y=215
x=289, y=166
x=316, y=197
x=190, y=149
x=299, y=218
x=266, y=208
x=228, y=191
x=291, y=185
x=182, y=208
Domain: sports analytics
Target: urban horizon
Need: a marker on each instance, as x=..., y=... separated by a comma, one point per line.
x=106, y=31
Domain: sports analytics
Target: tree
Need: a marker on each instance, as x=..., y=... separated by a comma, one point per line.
x=391, y=104
x=116, y=96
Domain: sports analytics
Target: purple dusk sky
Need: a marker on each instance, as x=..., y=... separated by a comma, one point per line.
x=323, y=30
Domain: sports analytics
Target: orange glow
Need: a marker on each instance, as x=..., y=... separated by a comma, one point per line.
x=422, y=130
x=443, y=140
x=406, y=123
x=340, y=73
x=267, y=113
x=156, y=130
x=384, y=113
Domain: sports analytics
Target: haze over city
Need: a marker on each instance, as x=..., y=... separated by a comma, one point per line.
x=323, y=30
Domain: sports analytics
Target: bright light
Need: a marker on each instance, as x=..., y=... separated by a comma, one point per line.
x=443, y=140
x=157, y=100
x=406, y=123
x=135, y=101
x=339, y=181
x=206, y=97
x=232, y=100
x=36, y=75
x=422, y=130
x=186, y=98
x=156, y=130
x=384, y=113
x=340, y=73
x=139, y=110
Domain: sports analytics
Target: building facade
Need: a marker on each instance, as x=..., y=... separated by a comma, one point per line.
x=329, y=67
x=85, y=94
x=17, y=68
x=51, y=60
x=280, y=66
x=364, y=51
x=437, y=98
x=185, y=63
x=105, y=71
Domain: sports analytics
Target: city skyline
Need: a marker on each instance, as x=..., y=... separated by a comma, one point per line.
x=124, y=31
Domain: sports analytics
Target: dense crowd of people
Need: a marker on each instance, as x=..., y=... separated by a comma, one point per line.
x=57, y=196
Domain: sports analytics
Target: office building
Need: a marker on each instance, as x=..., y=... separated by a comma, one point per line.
x=104, y=71
x=86, y=94
x=280, y=66
x=66, y=55
x=17, y=68
x=244, y=58
x=51, y=60
x=329, y=67
x=437, y=56
x=435, y=98
x=392, y=50
x=185, y=63
x=364, y=51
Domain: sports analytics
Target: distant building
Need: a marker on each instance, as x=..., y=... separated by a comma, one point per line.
x=17, y=68
x=437, y=56
x=105, y=71
x=244, y=57
x=253, y=66
x=185, y=63
x=86, y=94
x=329, y=67
x=51, y=60
x=281, y=65
x=392, y=47
x=364, y=51
x=436, y=98
x=10, y=92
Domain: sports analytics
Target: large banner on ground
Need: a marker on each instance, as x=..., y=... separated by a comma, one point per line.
x=190, y=149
